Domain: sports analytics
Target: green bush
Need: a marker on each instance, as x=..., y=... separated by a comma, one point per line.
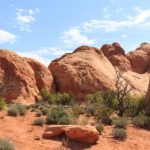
x=22, y=109
x=120, y=123
x=77, y=110
x=2, y=103
x=39, y=121
x=119, y=134
x=13, y=110
x=44, y=111
x=142, y=121
x=6, y=145
x=57, y=98
x=134, y=105
x=104, y=115
x=17, y=109
x=99, y=127
x=56, y=116
x=38, y=114
x=64, y=120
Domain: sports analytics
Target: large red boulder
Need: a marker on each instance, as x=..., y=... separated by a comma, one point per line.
x=43, y=76
x=116, y=55
x=80, y=133
x=84, y=71
x=17, y=79
x=140, y=58
x=21, y=79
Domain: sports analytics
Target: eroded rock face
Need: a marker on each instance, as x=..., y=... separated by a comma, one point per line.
x=43, y=76
x=17, y=79
x=80, y=133
x=21, y=79
x=140, y=58
x=84, y=71
x=116, y=55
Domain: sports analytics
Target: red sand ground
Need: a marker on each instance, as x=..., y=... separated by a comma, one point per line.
x=22, y=134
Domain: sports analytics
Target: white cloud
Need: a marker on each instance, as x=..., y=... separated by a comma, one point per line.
x=7, y=37
x=140, y=20
x=124, y=36
x=73, y=37
x=44, y=54
x=37, y=57
x=25, y=18
x=106, y=13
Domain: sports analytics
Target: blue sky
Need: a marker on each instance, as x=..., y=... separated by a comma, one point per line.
x=45, y=29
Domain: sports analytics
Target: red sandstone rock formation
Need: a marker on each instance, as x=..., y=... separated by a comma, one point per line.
x=20, y=82
x=84, y=71
x=80, y=133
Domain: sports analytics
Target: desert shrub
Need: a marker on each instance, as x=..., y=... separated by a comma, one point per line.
x=64, y=99
x=57, y=114
x=57, y=98
x=38, y=114
x=120, y=122
x=77, y=110
x=90, y=110
x=99, y=127
x=142, y=121
x=44, y=110
x=22, y=109
x=45, y=95
x=39, y=121
x=33, y=110
x=64, y=120
x=17, y=109
x=28, y=107
x=104, y=115
x=134, y=105
x=2, y=103
x=13, y=110
x=6, y=145
x=118, y=133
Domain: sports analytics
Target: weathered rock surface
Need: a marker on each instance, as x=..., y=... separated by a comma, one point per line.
x=116, y=55
x=84, y=71
x=16, y=78
x=80, y=133
x=43, y=76
x=22, y=78
x=140, y=58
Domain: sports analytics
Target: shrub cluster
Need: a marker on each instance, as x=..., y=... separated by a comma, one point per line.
x=17, y=109
x=57, y=116
x=142, y=121
x=2, y=103
x=119, y=134
x=120, y=123
x=39, y=121
x=6, y=145
x=99, y=127
x=57, y=98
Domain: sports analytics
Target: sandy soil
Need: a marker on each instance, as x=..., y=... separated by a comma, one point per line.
x=23, y=135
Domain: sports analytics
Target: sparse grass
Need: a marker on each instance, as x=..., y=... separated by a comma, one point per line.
x=6, y=145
